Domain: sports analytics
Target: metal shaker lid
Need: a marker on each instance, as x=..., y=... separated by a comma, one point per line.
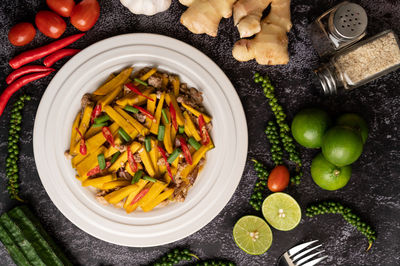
x=349, y=21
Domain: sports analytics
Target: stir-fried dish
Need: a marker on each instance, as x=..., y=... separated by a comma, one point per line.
x=140, y=139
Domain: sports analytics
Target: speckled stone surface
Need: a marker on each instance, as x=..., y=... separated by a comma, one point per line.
x=373, y=190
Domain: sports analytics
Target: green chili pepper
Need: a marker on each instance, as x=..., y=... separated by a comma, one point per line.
x=194, y=143
x=147, y=144
x=131, y=109
x=174, y=155
x=148, y=178
x=141, y=82
x=102, y=161
x=161, y=132
x=115, y=157
x=101, y=119
x=137, y=176
x=100, y=125
x=164, y=114
x=181, y=129
x=124, y=135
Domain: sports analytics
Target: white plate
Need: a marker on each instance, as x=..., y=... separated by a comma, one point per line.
x=215, y=184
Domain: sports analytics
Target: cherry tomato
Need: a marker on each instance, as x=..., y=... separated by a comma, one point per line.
x=50, y=24
x=85, y=14
x=278, y=179
x=21, y=34
x=61, y=7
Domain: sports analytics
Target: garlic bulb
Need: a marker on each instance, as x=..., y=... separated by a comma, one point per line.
x=146, y=7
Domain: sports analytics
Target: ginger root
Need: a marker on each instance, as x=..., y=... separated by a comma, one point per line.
x=247, y=15
x=269, y=46
x=203, y=16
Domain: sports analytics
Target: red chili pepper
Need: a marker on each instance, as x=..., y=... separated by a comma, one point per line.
x=35, y=54
x=82, y=149
x=205, y=137
x=26, y=70
x=139, y=196
x=186, y=151
x=97, y=169
x=16, y=85
x=164, y=155
x=144, y=111
x=173, y=116
x=95, y=113
x=58, y=55
x=137, y=91
x=107, y=134
x=131, y=160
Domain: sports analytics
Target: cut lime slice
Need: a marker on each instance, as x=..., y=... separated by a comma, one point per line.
x=252, y=234
x=281, y=211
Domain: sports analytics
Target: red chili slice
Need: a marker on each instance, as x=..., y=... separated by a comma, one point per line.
x=107, y=134
x=136, y=90
x=186, y=151
x=95, y=113
x=97, y=169
x=131, y=160
x=140, y=195
x=164, y=155
x=173, y=116
x=205, y=137
x=82, y=148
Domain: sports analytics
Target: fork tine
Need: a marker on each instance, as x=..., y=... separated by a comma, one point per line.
x=315, y=261
x=303, y=260
x=298, y=256
x=300, y=247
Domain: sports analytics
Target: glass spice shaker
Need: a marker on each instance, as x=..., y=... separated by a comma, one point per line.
x=338, y=27
x=361, y=63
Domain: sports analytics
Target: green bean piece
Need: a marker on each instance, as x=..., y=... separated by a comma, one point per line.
x=100, y=125
x=164, y=115
x=174, y=155
x=181, y=129
x=141, y=82
x=115, y=157
x=102, y=161
x=147, y=144
x=131, y=109
x=161, y=132
x=137, y=176
x=101, y=119
x=194, y=143
x=148, y=178
x=124, y=135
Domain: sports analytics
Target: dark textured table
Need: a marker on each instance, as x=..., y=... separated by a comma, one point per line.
x=373, y=190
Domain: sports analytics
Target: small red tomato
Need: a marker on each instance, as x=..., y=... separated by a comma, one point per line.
x=85, y=14
x=50, y=24
x=61, y=7
x=21, y=34
x=278, y=179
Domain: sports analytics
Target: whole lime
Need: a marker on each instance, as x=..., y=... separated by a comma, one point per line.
x=356, y=122
x=309, y=126
x=327, y=175
x=341, y=146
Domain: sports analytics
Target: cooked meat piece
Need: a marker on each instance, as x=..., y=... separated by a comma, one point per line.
x=184, y=89
x=158, y=93
x=137, y=158
x=121, y=148
x=119, y=205
x=161, y=161
x=101, y=200
x=140, y=117
x=182, y=188
x=101, y=193
x=196, y=96
x=67, y=155
x=177, y=143
x=155, y=81
x=123, y=174
x=127, y=90
x=179, y=99
x=85, y=100
x=209, y=126
x=163, y=203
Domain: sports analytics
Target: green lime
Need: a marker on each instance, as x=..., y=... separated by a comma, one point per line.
x=309, y=126
x=327, y=175
x=341, y=146
x=356, y=122
x=281, y=211
x=252, y=234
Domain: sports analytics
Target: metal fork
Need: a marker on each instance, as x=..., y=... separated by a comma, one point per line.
x=293, y=257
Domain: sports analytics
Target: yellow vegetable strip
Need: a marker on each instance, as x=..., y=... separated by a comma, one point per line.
x=196, y=158
x=154, y=191
x=176, y=85
x=139, y=127
x=88, y=162
x=92, y=131
x=74, y=133
x=119, y=80
x=189, y=125
x=167, y=139
x=121, y=121
x=120, y=162
x=98, y=181
x=207, y=119
x=164, y=82
x=129, y=170
x=97, y=140
x=114, y=184
x=140, y=185
x=154, y=155
x=144, y=155
x=111, y=150
x=148, y=74
x=84, y=125
x=109, y=97
x=160, y=198
x=154, y=126
x=132, y=98
x=176, y=162
x=151, y=107
x=132, y=208
x=118, y=195
x=170, y=98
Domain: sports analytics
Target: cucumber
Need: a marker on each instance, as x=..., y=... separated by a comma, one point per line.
x=25, y=246
x=15, y=253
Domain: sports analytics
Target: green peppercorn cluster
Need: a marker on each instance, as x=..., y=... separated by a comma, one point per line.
x=260, y=187
x=284, y=129
x=173, y=257
x=273, y=137
x=214, y=263
x=13, y=150
x=347, y=213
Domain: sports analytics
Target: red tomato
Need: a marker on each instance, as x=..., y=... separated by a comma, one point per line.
x=21, y=34
x=278, y=179
x=85, y=14
x=50, y=24
x=61, y=7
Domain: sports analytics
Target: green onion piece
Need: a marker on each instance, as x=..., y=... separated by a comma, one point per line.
x=131, y=109
x=164, y=114
x=124, y=135
x=141, y=82
x=194, y=143
x=102, y=161
x=161, y=132
x=174, y=155
x=147, y=144
x=100, y=125
x=137, y=176
x=115, y=157
x=181, y=129
x=148, y=178
x=101, y=119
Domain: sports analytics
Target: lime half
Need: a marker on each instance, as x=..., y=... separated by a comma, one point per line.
x=281, y=211
x=252, y=234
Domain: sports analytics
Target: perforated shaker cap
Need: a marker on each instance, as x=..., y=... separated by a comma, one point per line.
x=349, y=21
